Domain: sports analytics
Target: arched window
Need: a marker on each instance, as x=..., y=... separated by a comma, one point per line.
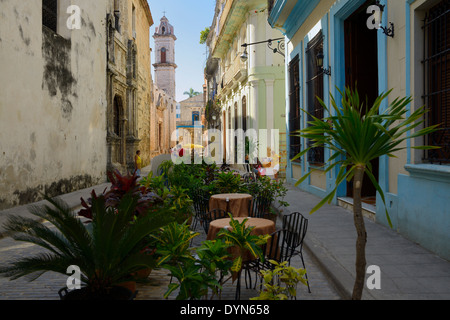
x=117, y=114
x=163, y=55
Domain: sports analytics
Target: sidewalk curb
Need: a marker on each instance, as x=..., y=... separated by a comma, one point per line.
x=73, y=200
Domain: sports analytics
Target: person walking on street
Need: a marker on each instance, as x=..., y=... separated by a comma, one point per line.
x=138, y=163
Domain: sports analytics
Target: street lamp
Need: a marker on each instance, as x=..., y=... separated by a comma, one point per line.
x=279, y=49
x=319, y=62
x=244, y=56
x=387, y=31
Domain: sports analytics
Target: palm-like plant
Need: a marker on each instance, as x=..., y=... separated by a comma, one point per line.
x=356, y=135
x=106, y=250
x=191, y=93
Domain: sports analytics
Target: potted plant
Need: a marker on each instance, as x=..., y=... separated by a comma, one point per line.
x=214, y=258
x=227, y=182
x=106, y=251
x=245, y=245
x=280, y=283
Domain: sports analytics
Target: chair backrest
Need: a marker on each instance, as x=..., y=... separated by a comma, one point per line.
x=260, y=205
x=215, y=214
x=212, y=215
x=249, y=177
x=278, y=247
x=298, y=225
x=200, y=201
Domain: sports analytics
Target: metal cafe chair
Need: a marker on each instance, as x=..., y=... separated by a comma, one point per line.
x=260, y=205
x=212, y=215
x=201, y=207
x=277, y=248
x=297, y=224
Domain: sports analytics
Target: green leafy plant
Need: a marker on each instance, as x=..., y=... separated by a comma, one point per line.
x=107, y=250
x=173, y=244
x=357, y=134
x=214, y=257
x=196, y=270
x=227, y=182
x=280, y=283
x=191, y=282
x=240, y=236
x=204, y=35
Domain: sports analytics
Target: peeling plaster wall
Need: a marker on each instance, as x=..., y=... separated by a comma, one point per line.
x=52, y=101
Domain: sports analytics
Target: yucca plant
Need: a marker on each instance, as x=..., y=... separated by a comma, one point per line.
x=106, y=250
x=357, y=134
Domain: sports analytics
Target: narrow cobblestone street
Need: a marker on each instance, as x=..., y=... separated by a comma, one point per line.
x=47, y=286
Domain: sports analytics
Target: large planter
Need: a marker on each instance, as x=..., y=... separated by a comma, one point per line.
x=114, y=293
x=142, y=274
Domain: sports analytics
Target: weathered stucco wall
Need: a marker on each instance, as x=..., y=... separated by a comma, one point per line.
x=52, y=101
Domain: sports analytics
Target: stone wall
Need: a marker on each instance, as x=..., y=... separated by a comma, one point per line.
x=52, y=101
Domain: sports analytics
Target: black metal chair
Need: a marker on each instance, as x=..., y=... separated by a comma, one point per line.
x=277, y=248
x=260, y=206
x=201, y=206
x=212, y=215
x=249, y=177
x=297, y=224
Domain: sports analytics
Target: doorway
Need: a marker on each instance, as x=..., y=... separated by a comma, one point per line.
x=361, y=72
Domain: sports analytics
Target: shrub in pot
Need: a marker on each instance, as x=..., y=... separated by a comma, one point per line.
x=106, y=251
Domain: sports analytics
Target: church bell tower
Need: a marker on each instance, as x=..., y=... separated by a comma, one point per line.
x=165, y=57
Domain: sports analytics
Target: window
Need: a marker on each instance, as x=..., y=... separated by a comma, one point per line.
x=133, y=21
x=294, y=106
x=314, y=87
x=117, y=115
x=244, y=114
x=437, y=80
x=195, y=116
x=50, y=14
x=163, y=55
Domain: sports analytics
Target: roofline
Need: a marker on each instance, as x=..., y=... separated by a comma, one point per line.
x=148, y=12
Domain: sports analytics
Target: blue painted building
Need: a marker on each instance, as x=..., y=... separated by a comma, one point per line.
x=378, y=45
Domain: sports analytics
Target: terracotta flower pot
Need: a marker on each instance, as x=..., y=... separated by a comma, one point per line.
x=142, y=274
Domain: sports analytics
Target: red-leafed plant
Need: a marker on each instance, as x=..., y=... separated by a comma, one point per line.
x=122, y=185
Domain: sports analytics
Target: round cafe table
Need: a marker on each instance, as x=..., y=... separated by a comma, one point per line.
x=238, y=203
x=261, y=226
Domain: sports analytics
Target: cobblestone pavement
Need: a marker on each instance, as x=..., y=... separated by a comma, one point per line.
x=46, y=287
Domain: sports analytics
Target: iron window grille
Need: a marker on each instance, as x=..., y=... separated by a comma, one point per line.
x=437, y=80
x=294, y=107
x=314, y=87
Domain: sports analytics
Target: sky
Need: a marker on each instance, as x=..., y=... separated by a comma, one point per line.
x=189, y=18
